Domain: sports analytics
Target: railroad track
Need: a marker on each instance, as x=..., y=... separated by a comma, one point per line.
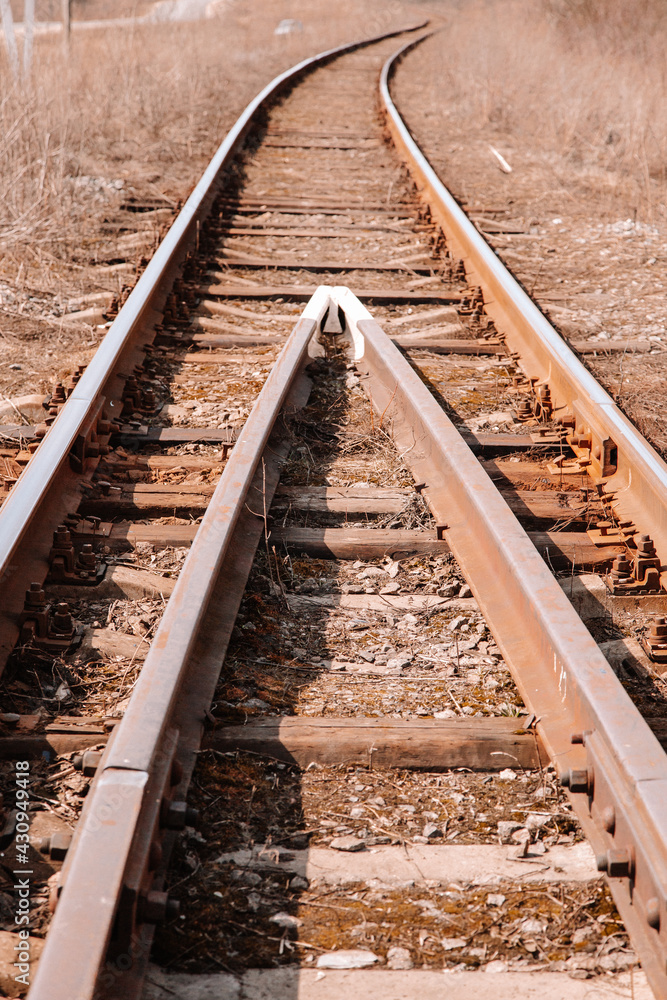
x=316, y=544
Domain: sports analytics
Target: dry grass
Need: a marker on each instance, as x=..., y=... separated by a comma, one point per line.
x=582, y=79
x=144, y=105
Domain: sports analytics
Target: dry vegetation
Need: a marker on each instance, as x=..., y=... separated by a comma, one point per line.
x=140, y=105
x=582, y=80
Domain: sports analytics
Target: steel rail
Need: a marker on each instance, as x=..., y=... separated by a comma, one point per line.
x=40, y=488
x=618, y=454
x=135, y=772
x=614, y=766
x=617, y=786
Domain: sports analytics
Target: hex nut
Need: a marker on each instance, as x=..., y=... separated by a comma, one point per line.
x=156, y=907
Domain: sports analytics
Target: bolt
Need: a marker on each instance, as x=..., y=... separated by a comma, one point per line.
x=35, y=598
x=154, y=856
x=617, y=863
x=55, y=846
x=87, y=557
x=90, y=761
x=653, y=912
x=645, y=545
x=61, y=620
x=156, y=907
x=621, y=570
x=609, y=819
x=578, y=781
x=176, y=815
x=62, y=537
x=659, y=628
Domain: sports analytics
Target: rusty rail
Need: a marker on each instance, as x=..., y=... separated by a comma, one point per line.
x=146, y=768
x=612, y=764
x=633, y=475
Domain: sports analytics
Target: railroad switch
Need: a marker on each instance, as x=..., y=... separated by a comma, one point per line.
x=44, y=626
x=65, y=566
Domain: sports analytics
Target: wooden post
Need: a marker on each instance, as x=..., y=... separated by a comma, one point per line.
x=10, y=37
x=28, y=29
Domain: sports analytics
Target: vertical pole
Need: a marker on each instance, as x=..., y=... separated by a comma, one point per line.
x=28, y=28
x=66, y=20
x=10, y=37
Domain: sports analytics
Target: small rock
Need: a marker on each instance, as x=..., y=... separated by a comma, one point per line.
x=446, y=713
x=285, y=920
x=505, y=830
x=537, y=848
x=368, y=657
x=366, y=574
x=248, y=878
x=431, y=831
x=400, y=662
x=15, y=368
x=495, y=899
x=496, y=966
x=391, y=569
x=616, y=960
x=350, y=843
x=520, y=836
x=63, y=693
x=465, y=591
x=535, y=821
x=299, y=882
x=456, y=622
x=399, y=958
x=347, y=959
x=448, y=590
x=391, y=588
x=532, y=926
x=507, y=775
x=581, y=934
x=357, y=813
x=453, y=943
x=254, y=703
